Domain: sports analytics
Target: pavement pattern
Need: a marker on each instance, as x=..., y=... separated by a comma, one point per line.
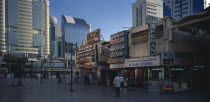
x=52, y=91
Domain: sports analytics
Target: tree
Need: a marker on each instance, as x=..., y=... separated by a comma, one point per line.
x=18, y=68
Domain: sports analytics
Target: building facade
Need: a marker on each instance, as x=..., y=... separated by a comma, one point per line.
x=119, y=49
x=74, y=31
x=142, y=8
x=25, y=28
x=181, y=8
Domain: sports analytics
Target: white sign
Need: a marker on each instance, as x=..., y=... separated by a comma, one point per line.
x=117, y=65
x=143, y=61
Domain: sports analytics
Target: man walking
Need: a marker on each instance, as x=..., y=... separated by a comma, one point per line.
x=116, y=82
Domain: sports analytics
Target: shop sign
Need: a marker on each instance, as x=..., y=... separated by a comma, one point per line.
x=168, y=58
x=154, y=85
x=93, y=37
x=90, y=65
x=117, y=65
x=152, y=38
x=152, y=21
x=167, y=86
x=119, y=46
x=143, y=61
x=116, y=60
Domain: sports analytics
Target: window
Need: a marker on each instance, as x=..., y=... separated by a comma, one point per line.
x=177, y=11
x=185, y=4
x=151, y=12
x=185, y=8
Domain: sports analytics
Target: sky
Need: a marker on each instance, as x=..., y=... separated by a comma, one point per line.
x=108, y=15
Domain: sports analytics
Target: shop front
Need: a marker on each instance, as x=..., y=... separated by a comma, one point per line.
x=180, y=70
x=86, y=70
x=138, y=69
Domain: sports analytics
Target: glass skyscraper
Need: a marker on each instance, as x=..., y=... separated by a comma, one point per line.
x=181, y=8
x=74, y=30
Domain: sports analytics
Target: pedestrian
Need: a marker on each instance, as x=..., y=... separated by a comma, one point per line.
x=36, y=76
x=59, y=78
x=117, y=82
x=86, y=78
x=90, y=78
x=122, y=82
x=67, y=79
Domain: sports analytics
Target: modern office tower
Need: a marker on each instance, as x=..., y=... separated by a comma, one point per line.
x=55, y=38
x=25, y=28
x=53, y=22
x=181, y=8
x=73, y=30
x=142, y=8
x=59, y=42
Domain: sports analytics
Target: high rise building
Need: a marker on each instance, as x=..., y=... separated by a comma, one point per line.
x=53, y=22
x=142, y=8
x=55, y=38
x=59, y=42
x=25, y=28
x=74, y=30
x=181, y=8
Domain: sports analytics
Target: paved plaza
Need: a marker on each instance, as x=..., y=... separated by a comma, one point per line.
x=52, y=91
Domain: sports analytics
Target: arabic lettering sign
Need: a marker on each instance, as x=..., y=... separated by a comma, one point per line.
x=143, y=61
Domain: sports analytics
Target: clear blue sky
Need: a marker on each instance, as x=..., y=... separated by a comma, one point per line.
x=108, y=15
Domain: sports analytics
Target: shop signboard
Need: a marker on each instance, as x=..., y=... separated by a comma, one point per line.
x=119, y=48
x=90, y=65
x=168, y=58
x=93, y=37
x=117, y=65
x=152, y=21
x=143, y=61
x=154, y=85
x=166, y=86
x=116, y=60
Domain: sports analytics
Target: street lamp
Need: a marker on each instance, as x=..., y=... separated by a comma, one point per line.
x=71, y=51
x=42, y=62
x=31, y=69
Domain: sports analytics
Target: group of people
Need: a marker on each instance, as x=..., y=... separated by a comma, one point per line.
x=88, y=78
x=67, y=78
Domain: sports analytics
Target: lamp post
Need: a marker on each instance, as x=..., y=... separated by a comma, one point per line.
x=42, y=62
x=70, y=45
x=31, y=69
